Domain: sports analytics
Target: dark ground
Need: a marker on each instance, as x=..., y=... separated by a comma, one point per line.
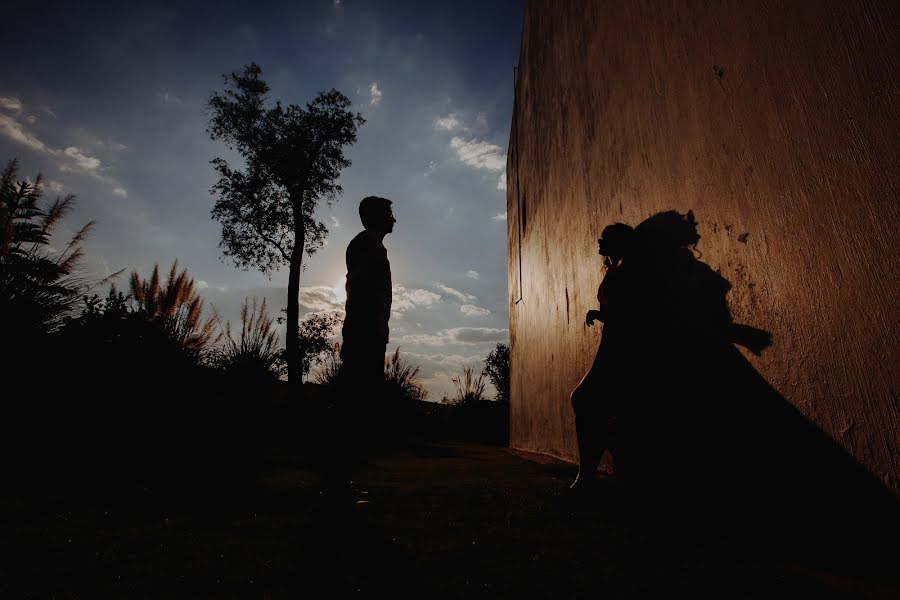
x=444, y=521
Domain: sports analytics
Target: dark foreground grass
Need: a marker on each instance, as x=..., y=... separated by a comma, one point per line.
x=444, y=521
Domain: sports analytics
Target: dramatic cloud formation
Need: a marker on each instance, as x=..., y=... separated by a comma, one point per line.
x=404, y=300
x=320, y=298
x=76, y=159
x=438, y=117
x=479, y=154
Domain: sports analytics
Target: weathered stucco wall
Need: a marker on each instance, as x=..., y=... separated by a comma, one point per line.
x=777, y=124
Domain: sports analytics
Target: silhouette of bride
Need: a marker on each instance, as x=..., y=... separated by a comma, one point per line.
x=598, y=397
x=662, y=379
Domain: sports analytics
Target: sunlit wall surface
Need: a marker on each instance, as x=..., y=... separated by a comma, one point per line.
x=777, y=124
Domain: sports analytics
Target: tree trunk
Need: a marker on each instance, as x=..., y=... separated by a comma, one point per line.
x=292, y=342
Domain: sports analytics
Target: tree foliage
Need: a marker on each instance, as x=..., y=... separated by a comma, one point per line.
x=316, y=339
x=292, y=158
x=496, y=367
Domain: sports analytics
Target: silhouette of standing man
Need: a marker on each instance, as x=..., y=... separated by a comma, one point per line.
x=365, y=331
x=368, y=289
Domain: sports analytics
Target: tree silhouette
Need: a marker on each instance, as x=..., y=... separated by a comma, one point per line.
x=293, y=156
x=496, y=366
x=315, y=335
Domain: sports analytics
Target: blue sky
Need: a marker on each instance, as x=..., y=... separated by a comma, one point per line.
x=106, y=100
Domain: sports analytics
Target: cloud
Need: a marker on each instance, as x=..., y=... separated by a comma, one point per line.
x=167, y=98
x=472, y=274
x=479, y=154
x=113, y=145
x=462, y=296
x=446, y=360
x=48, y=110
x=404, y=300
x=448, y=123
x=435, y=370
x=458, y=335
x=374, y=94
x=470, y=310
x=499, y=216
x=424, y=339
x=202, y=285
x=476, y=335
x=501, y=183
x=55, y=186
x=9, y=103
x=334, y=222
x=82, y=161
x=320, y=298
x=14, y=131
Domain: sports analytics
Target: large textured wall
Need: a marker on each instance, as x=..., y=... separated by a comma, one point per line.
x=777, y=124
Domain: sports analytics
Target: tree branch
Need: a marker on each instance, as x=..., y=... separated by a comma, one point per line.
x=272, y=241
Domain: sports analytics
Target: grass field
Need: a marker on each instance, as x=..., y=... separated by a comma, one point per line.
x=443, y=521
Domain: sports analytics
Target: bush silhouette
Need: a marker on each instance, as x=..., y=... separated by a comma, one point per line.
x=255, y=356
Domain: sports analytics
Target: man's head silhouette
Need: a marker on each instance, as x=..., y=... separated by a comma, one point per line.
x=376, y=215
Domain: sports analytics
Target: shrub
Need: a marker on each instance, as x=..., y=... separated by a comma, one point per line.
x=401, y=380
x=329, y=366
x=255, y=355
x=176, y=308
x=39, y=285
x=469, y=388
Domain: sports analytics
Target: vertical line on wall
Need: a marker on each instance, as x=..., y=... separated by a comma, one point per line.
x=519, y=202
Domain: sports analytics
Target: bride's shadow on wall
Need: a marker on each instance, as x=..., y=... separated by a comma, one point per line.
x=697, y=422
